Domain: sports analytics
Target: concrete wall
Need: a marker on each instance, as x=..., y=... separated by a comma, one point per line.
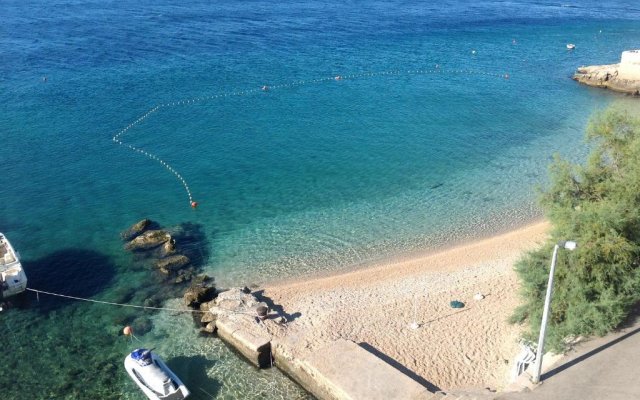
x=630, y=65
x=343, y=370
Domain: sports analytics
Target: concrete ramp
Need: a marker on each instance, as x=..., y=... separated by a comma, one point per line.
x=345, y=370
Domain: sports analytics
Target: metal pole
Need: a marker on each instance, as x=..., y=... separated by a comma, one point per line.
x=545, y=316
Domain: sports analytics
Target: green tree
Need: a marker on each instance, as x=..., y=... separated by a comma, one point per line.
x=598, y=205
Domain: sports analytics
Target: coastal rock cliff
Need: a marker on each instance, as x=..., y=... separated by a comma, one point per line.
x=607, y=76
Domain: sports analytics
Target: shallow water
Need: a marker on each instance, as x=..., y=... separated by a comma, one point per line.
x=311, y=177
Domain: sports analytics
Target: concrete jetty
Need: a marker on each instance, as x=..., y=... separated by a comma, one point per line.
x=345, y=370
x=255, y=346
x=340, y=370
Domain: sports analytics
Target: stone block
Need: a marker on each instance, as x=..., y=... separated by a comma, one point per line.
x=251, y=343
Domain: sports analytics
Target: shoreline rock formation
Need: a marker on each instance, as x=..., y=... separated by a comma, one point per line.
x=136, y=229
x=145, y=237
x=240, y=319
x=623, y=77
x=607, y=76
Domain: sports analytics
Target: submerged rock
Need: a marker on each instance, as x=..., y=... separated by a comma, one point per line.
x=142, y=325
x=136, y=229
x=148, y=240
x=168, y=248
x=185, y=275
x=172, y=263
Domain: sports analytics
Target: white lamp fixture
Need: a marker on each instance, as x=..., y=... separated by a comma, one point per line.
x=569, y=245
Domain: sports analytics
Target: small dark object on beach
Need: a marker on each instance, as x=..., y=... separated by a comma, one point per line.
x=262, y=310
x=456, y=304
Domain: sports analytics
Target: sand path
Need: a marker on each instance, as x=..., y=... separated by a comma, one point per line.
x=452, y=348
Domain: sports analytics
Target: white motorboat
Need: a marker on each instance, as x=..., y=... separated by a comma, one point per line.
x=153, y=376
x=571, y=46
x=13, y=280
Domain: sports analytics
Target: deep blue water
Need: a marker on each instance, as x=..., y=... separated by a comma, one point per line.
x=424, y=142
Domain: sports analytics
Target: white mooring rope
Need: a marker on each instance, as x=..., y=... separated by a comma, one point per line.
x=114, y=304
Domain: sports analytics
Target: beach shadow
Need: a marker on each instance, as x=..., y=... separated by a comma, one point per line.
x=193, y=373
x=585, y=356
x=629, y=322
x=395, y=364
x=74, y=272
x=276, y=307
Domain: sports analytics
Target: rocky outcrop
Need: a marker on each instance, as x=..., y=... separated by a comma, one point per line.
x=136, y=229
x=607, y=76
x=201, y=291
x=170, y=264
x=199, y=296
x=244, y=322
x=148, y=240
x=168, y=248
x=160, y=248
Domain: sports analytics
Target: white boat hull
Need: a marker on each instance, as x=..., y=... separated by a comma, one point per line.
x=155, y=379
x=13, y=279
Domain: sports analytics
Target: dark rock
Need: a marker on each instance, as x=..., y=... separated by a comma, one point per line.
x=124, y=295
x=123, y=319
x=142, y=325
x=172, y=263
x=136, y=229
x=204, y=278
x=152, y=302
x=168, y=248
x=185, y=275
x=148, y=240
x=197, y=294
x=246, y=290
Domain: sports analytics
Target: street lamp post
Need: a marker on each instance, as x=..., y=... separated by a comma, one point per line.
x=569, y=245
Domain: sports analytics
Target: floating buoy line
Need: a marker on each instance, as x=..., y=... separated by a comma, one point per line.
x=117, y=138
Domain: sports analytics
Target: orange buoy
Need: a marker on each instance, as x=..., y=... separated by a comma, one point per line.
x=194, y=204
x=127, y=331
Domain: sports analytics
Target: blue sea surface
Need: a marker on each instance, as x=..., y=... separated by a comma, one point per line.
x=438, y=129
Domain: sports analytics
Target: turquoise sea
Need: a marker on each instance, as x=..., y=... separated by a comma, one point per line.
x=441, y=124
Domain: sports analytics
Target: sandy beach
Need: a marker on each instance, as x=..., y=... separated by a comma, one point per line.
x=452, y=348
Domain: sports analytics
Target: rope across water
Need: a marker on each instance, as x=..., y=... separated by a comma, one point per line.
x=114, y=304
x=117, y=138
x=110, y=303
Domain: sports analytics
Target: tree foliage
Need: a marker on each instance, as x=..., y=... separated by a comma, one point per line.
x=597, y=205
